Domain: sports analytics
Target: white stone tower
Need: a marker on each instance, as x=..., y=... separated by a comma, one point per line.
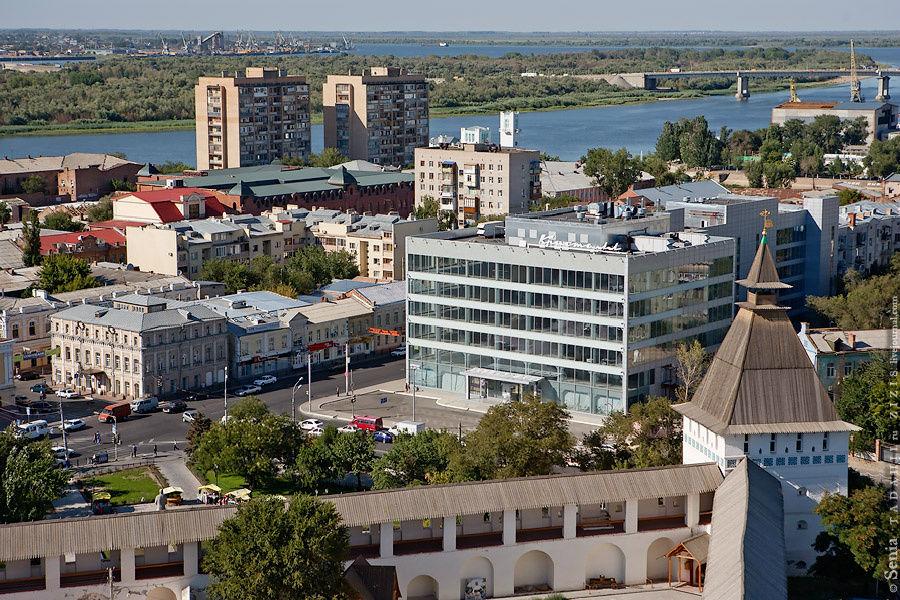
x=509, y=129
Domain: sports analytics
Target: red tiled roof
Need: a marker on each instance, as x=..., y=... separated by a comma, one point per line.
x=167, y=212
x=163, y=202
x=214, y=208
x=115, y=223
x=110, y=236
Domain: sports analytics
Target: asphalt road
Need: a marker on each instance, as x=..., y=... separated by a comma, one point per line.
x=163, y=430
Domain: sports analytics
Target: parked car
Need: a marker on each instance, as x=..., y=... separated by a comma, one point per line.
x=188, y=416
x=62, y=452
x=32, y=431
x=27, y=375
x=41, y=388
x=349, y=428
x=145, y=405
x=68, y=393
x=265, y=380
x=367, y=423
x=115, y=412
x=385, y=437
x=196, y=396
x=399, y=351
x=100, y=457
x=174, y=406
x=315, y=431
x=246, y=390
x=40, y=406
x=21, y=400
x=73, y=425
x=308, y=424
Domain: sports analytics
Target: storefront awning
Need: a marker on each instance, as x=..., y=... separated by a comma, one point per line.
x=501, y=376
x=91, y=371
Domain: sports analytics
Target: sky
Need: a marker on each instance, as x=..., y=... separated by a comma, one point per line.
x=455, y=15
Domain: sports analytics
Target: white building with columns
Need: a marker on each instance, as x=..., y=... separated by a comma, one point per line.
x=761, y=398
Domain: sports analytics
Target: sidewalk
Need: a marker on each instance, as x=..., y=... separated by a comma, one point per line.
x=177, y=474
x=72, y=504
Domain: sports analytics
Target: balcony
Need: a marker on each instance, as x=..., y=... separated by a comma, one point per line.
x=88, y=578
x=172, y=569
x=28, y=584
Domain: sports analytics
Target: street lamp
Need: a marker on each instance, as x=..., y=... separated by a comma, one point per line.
x=414, y=368
x=225, y=393
x=293, y=392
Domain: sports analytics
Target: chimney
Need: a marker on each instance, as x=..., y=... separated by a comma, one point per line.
x=851, y=340
x=804, y=327
x=852, y=217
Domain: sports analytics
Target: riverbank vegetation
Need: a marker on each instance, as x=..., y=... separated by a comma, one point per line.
x=157, y=92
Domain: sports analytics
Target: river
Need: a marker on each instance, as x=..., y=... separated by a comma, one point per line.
x=565, y=133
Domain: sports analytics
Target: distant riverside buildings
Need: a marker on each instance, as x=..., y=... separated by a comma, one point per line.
x=256, y=189
x=881, y=117
x=379, y=115
x=475, y=180
x=251, y=119
x=78, y=176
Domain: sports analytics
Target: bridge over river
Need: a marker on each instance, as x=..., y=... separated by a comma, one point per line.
x=648, y=81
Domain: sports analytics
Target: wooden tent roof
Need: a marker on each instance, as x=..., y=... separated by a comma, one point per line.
x=763, y=275
x=696, y=547
x=761, y=380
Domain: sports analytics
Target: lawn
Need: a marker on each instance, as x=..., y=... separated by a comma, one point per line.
x=131, y=486
x=279, y=486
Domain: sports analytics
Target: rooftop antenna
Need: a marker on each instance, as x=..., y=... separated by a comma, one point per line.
x=855, y=95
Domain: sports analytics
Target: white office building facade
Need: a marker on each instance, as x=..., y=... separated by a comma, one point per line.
x=545, y=310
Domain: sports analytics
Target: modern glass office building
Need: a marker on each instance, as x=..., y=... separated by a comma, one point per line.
x=579, y=308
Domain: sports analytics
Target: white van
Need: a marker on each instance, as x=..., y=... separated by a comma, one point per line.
x=33, y=430
x=410, y=427
x=145, y=405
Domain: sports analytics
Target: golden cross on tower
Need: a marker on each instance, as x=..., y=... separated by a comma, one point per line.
x=767, y=222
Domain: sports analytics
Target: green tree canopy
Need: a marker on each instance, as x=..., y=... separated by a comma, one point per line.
x=29, y=479
x=415, y=459
x=254, y=443
x=865, y=400
x=268, y=551
x=65, y=273
x=33, y=184
x=649, y=436
x=615, y=171
x=883, y=158
x=101, y=211
x=865, y=524
x=5, y=213
x=865, y=302
x=31, y=236
x=61, y=221
x=515, y=439
x=353, y=453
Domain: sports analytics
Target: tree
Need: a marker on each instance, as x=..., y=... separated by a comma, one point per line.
x=864, y=399
x=30, y=479
x=65, y=273
x=883, y=157
x=691, y=362
x=33, y=184
x=31, y=234
x=753, y=169
x=615, y=171
x=515, y=439
x=173, y=167
x=5, y=213
x=549, y=157
x=865, y=303
x=855, y=131
x=254, y=443
x=429, y=208
x=271, y=551
x=353, y=453
x=101, y=211
x=414, y=459
x=236, y=276
x=865, y=524
x=328, y=157
x=199, y=426
x=849, y=196
x=122, y=185
x=836, y=168
x=61, y=221
x=649, y=436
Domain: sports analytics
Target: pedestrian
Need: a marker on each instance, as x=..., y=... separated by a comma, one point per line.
x=174, y=445
x=337, y=391
x=134, y=450
x=154, y=449
x=407, y=386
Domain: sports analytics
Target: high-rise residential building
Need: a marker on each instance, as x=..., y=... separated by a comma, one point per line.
x=380, y=115
x=251, y=120
x=581, y=308
x=472, y=180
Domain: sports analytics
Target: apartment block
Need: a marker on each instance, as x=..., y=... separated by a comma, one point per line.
x=140, y=346
x=473, y=180
x=573, y=306
x=79, y=176
x=379, y=115
x=251, y=119
x=868, y=236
